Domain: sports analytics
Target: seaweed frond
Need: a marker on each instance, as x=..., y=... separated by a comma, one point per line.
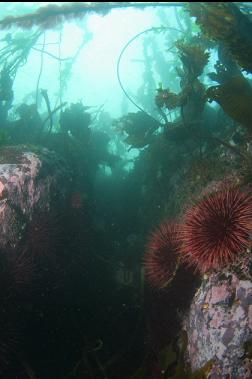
x=49, y=16
x=235, y=97
x=224, y=22
x=193, y=57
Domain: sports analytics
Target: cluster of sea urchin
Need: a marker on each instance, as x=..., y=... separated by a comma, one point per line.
x=214, y=234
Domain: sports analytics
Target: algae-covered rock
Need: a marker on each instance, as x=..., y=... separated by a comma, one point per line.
x=30, y=178
x=219, y=326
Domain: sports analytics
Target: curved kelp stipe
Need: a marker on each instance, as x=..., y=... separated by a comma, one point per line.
x=153, y=29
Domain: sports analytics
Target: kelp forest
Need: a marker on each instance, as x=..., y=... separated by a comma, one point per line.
x=126, y=236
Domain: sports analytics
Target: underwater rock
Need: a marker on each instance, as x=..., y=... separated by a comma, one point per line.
x=219, y=326
x=30, y=179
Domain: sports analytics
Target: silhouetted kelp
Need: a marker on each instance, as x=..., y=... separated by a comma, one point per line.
x=51, y=15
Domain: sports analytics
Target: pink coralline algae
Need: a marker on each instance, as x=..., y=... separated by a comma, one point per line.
x=28, y=181
x=219, y=324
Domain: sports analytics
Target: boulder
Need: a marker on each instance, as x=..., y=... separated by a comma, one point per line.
x=31, y=179
x=219, y=326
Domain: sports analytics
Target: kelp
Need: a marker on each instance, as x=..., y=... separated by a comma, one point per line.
x=166, y=98
x=174, y=358
x=49, y=16
x=224, y=22
x=235, y=97
x=193, y=57
x=15, y=51
x=139, y=128
x=170, y=363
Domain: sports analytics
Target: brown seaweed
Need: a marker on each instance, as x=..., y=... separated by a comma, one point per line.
x=51, y=15
x=224, y=22
x=193, y=57
x=235, y=97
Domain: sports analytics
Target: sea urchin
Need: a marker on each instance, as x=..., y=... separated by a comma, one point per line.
x=161, y=257
x=217, y=229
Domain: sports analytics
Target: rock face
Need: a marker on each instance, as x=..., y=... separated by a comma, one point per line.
x=30, y=179
x=219, y=327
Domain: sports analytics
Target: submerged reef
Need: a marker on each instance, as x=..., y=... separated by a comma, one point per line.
x=219, y=326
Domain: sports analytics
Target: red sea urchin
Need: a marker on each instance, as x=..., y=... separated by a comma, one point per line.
x=161, y=257
x=217, y=229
